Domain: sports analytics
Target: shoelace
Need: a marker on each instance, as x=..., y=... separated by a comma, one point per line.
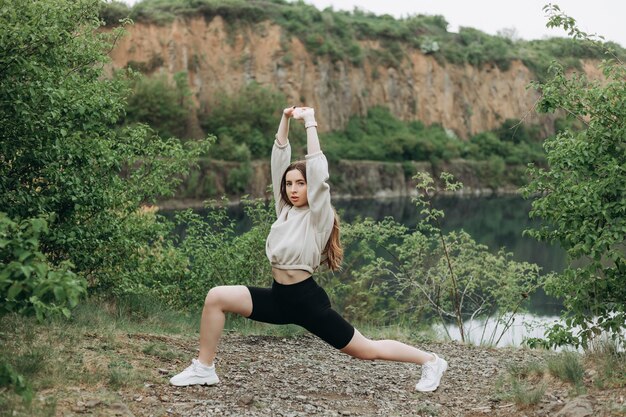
x=428, y=370
x=193, y=366
x=197, y=367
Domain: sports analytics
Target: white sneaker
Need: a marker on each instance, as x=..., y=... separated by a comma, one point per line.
x=431, y=374
x=196, y=374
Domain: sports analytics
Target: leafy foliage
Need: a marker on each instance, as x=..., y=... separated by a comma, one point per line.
x=63, y=158
x=28, y=283
x=393, y=273
x=163, y=106
x=9, y=378
x=581, y=196
x=381, y=136
x=244, y=123
x=220, y=256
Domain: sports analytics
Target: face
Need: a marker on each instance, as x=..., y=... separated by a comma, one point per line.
x=295, y=185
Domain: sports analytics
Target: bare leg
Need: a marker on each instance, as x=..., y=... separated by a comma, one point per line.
x=389, y=350
x=220, y=300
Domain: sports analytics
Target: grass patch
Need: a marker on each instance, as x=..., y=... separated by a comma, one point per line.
x=525, y=394
x=108, y=345
x=610, y=364
x=134, y=314
x=568, y=367
x=162, y=351
x=426, y=410
x=13, y=406
x=120, y=374
x=523, y=384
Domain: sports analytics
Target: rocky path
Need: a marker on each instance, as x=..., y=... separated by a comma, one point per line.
x=302, y=376
x=271, y=376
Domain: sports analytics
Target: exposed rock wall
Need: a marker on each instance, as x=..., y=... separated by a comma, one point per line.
x=465, y=99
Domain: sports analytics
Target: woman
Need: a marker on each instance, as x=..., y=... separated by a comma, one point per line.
x=305, y=234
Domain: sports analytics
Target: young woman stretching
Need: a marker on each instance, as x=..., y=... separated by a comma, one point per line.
x=305, y=234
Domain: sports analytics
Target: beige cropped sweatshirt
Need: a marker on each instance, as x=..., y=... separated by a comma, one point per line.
x=299, y=235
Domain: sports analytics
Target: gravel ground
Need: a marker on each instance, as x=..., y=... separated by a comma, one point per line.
x=302, y=376
x=271, y=376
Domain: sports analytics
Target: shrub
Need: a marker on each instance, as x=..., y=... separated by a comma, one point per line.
x=28, y=282
x=248, y=117
x=399, y=268
x=112, y=13
x=381, y=136
x=218, y=255
x=580, y=196
x=62, y=151
x=567, y=366
x=164, y=107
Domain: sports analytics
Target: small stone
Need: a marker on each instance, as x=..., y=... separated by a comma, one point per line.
x=92, y=403
x=163, y=371
x=578, y=407
x=246, y=399
x=120, y=409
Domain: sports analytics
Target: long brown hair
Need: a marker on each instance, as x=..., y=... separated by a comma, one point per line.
x=333, y=252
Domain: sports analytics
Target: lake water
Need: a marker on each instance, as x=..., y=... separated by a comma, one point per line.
x=494, y=221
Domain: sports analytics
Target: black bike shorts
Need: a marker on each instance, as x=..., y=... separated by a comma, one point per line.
x=305, y=304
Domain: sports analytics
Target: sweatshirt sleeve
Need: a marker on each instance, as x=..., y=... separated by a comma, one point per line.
x=318, y=191
x=280, y=160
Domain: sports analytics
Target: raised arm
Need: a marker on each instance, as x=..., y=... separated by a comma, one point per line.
x=318, y=190
x=283, y=128
x=281, y=157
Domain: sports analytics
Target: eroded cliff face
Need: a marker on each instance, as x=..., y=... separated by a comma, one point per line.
x=465, y=99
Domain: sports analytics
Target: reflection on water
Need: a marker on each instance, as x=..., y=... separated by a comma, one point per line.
x=493, y=221
x=489, y=332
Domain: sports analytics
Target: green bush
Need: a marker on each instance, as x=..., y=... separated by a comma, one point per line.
x=164, y=107
x=11, y=379
x=220, y=256
x=580, y=197
x=239, y=178
x=62, y=151
x=568, y=367
x=381, y=136
x=393, y=273
x=247, y=118
x=28, y=282
x=113, y=12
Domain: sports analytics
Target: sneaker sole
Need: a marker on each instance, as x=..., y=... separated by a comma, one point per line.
x=207, y=383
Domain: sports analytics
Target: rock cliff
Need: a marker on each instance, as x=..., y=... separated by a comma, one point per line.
x=464, y=99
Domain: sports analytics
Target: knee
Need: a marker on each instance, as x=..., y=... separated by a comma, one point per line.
x=213, y=297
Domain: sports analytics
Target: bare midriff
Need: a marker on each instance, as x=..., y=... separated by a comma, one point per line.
x=290, y=276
